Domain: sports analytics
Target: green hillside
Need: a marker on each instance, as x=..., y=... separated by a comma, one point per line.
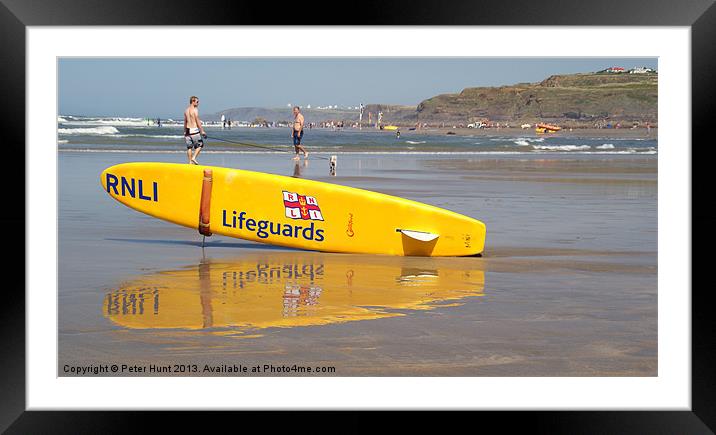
x=579, y=98
x=575, y=99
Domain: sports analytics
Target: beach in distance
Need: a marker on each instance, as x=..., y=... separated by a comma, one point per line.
x=620, y=133
x=567, y=285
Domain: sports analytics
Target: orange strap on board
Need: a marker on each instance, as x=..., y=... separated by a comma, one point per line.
x=205, y=205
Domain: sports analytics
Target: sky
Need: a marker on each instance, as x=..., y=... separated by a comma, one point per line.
x=161, y=87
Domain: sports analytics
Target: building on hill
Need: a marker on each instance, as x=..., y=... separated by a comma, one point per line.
x=615, y=69
x=641, y=70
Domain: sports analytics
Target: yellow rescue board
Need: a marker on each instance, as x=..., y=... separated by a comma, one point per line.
x=292, y=212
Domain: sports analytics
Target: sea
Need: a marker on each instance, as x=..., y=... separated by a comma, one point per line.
x=103, y=134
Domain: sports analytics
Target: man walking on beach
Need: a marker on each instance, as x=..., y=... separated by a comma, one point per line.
x=297, y=132
x=194, y=134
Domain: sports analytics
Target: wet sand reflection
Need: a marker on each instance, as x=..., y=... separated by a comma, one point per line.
x=288, y=289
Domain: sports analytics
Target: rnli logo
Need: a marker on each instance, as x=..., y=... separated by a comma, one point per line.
x=301, y=207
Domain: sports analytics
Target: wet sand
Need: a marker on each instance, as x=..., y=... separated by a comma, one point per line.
x=567, y=285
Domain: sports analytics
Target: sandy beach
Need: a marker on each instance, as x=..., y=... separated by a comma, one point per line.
x=620, y=133
x=567, y=285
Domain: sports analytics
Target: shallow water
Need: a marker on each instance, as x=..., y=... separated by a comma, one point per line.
x=567, y=285
x=89, y=134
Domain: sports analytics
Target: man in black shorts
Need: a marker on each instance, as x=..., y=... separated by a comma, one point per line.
x=194, y=133
x=297, y=132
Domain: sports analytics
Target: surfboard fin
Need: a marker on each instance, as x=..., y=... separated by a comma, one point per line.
x=420, y=236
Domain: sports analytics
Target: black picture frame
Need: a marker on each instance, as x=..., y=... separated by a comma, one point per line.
x=16, y=15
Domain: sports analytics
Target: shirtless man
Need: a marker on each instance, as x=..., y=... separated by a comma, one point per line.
x=297, y=132
x=194, y=134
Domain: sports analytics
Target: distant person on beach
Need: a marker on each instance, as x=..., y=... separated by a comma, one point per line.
x=194, y=133
x=297, y=132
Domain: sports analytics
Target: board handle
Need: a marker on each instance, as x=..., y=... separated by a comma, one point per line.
x=205, y=204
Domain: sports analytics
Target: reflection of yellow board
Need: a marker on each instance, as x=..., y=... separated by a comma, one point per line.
x=289, y=289
x=291, y=211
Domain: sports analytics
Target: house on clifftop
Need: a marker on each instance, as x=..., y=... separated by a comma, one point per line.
x=641, y=70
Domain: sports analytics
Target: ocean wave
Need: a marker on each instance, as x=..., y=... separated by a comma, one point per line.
x=606, y=146
x=160, y=136
x=89, y=131
x=525, y=141
x=414, y=142
x=130, y=151
x=561, y=147
x=617, y=139
x=111, y=123
x=123, y=122
x=114, y=121
x=381, y=153
x=517, y=139
x=647, y=150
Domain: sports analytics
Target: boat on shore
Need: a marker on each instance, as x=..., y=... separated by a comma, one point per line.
x=546, y=128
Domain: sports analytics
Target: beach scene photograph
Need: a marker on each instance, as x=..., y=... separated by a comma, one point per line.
x=357, y=216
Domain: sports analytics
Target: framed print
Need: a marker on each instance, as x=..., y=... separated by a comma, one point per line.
x=383, y=213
